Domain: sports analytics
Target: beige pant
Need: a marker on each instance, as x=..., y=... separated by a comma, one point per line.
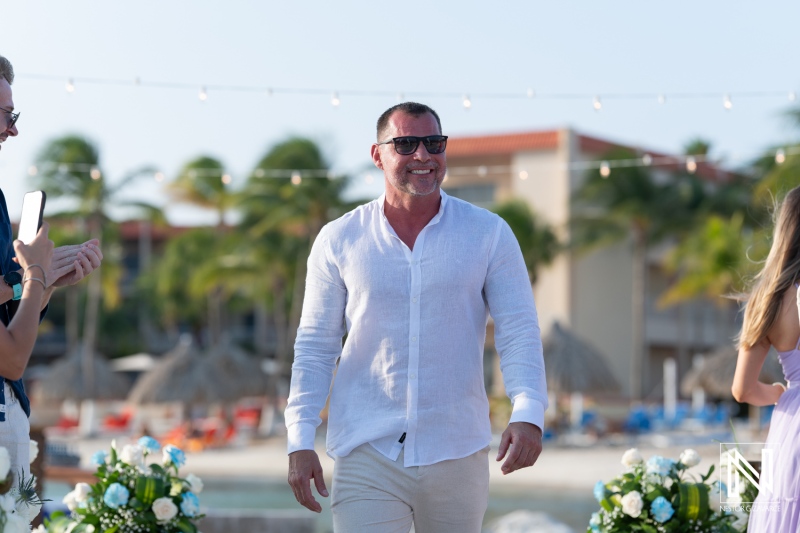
x=15, y=435
x=372, y=494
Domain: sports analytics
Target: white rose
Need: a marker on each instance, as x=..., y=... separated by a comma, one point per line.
x=632, y=504
x=34, y=450
x=82, y=491
x=40, y=529
x=16, y=524
x=132, y=454
x=632, y=457
x=164, y=509
x=5, y=463
x=690, y=457
x=195, y=483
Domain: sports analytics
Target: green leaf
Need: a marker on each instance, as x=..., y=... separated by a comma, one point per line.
x=112, y=529
x=186, y=526
x=148, y=489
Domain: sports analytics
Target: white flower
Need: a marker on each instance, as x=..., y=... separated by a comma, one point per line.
x=195, y=483
x=16, y=524
x=78, y=495
x=34, y=450
x=7, y=503
x=742, y=518
x=5, y=463
x=632, y=457
x=690, y=457
x=40, y=529
x=132, y=454
x=28, y=511
x=734, y=500
x=164, y=509
x=632, y=504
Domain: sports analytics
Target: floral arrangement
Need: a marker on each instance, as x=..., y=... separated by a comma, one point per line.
x=131, y=496
x=660, y=496
x=19, y=504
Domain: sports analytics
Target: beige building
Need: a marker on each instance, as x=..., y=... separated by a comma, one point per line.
x=590, y=293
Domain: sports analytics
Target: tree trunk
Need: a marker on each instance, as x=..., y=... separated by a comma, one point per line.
x=639, y=353
x=145, y=260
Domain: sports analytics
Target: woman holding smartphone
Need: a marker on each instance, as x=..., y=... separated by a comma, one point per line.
x=16, y=344
x=771, y=320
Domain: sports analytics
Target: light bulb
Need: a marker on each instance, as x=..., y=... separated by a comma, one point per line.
x=401, y=97
x=727, y=103
x=368, y=179
x=203, y=94
x=259, y=173
x=605, y=169
x=226, y=179
x=597, y=104
x=531, y=93
x=691, y=165
x=137, y=80
x=523, y=174
x=296, y=178
x=95, y=173
x=662, y=99
x=32, y=170
x=466, y=102
x=159, y=176
x=269, y=91
x=780, y=156
x=70, y=86
x=792, y=96
x=647, y=160
x=335, y=103
x=482, y=171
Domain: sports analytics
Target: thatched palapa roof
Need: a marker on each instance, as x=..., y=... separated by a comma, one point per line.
x=715, y=373
x=64, y=380
x=573, y=365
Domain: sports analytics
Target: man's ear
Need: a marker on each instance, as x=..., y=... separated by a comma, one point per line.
x=375, y=152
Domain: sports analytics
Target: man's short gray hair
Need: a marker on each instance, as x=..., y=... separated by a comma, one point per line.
x=6, y=70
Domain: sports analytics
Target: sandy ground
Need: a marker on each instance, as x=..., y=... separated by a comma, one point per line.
x=560, y=467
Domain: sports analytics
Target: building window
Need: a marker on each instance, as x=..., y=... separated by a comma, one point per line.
x=480, y=195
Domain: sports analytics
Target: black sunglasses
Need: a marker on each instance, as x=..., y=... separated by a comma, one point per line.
x=14, y=117
x=434, y=144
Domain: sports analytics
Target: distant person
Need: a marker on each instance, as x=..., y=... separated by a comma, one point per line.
x=411, y=278
x=771, y=319
x=28, y=285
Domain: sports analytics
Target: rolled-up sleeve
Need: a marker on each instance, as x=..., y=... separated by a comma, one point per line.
x=317, y=346
x=517, y=335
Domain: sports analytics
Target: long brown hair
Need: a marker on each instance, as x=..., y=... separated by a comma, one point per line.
x=780, y=271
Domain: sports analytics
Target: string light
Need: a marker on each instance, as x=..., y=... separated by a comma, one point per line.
x=597, y=104
x=792, y=96
x=70, y=86
x=647, y=160
x=95, y=174
x=368, y=179
x=401, y=97
x=269, y=91
x=466, y=102
x=727, y=103
x=296, y=178
x=226, y=179
x=691, y=165
x=159, y=176
x=32, y=170
x=780, y=156
x=531, y=93
x=662, y=99
x=482, y=171
x=203, y=94
x=335, y=99
x=523, y=175
x=605, y=169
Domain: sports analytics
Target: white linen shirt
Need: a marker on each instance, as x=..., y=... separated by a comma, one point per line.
x=415, y=322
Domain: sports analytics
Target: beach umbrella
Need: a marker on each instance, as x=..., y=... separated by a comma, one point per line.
x=572, y=365
x=221, y=374
x=714, y=374
x=63, y=380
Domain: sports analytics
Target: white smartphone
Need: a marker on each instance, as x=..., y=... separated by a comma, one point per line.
x=31, y=219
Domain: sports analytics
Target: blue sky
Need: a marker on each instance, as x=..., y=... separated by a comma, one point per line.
x=444, y=47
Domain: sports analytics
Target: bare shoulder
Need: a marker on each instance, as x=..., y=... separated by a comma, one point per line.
x=786, y=331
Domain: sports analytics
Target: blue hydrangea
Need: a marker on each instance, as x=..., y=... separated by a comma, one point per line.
x=190, y=506
x=149, y=444
x=116, y=495
x=98, y=458
x=595, y=522
x=659, y=465
x=174, y=455
x=661, y=509
x=599, y=491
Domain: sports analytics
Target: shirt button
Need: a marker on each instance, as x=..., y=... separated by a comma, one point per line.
x=413, y=339
x=414, y=300
x=413, y=376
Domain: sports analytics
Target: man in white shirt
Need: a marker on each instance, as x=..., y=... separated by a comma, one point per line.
x=411, y=278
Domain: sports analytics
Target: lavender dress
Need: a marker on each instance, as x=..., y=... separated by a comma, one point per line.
x=784, y=440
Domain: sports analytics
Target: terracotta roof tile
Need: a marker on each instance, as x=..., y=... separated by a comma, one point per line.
x=502, y=144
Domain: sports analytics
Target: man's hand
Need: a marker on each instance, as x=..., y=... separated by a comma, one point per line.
x=304, y=465
x=74, y=262
x=525, y=441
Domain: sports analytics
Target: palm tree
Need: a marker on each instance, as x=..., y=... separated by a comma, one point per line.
x=630, y=205
x=536, y=239
x=69, y=168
